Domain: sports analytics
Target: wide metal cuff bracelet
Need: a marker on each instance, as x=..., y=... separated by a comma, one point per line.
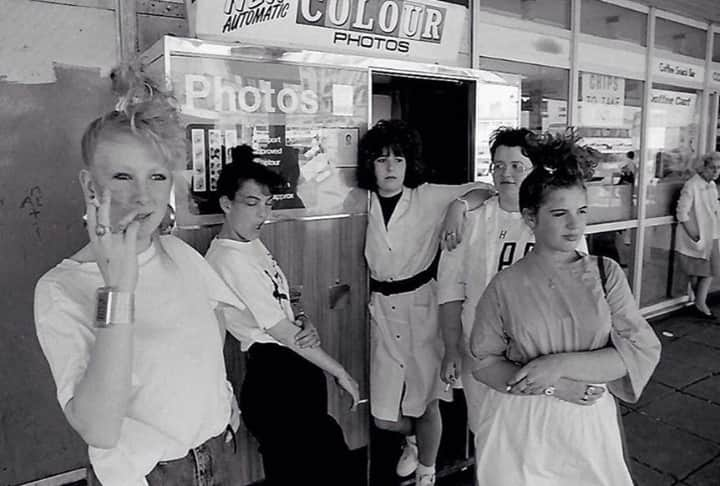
x=114, y=307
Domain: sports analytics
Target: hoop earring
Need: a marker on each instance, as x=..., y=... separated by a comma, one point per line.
x=167, y=225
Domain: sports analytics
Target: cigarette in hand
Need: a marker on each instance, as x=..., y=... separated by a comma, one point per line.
x=447, y=387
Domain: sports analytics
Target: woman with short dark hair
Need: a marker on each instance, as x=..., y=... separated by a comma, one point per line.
x=402, y=251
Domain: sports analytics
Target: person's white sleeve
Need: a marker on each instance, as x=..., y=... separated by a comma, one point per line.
x=682, y=213
x=451, y=279
x=254, y=288
x=441, y=195
x=488, y=340
x=631, y=335
x=65, y=337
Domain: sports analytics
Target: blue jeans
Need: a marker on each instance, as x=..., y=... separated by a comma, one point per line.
x=208, y=464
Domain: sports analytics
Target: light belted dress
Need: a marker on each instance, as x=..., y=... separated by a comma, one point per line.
x=532, y=309
x=406, y=347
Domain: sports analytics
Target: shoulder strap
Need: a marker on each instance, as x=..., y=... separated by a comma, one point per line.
x=603, y=275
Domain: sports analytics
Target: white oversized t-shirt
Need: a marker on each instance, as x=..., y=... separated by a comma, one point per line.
x=180, y=396
x=252, y=273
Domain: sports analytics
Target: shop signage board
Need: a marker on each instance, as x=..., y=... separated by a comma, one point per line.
x=673, y=131
x=679, y=71
x=626, y=61
x=514, y=44
x=603, y=100
x=417, y=30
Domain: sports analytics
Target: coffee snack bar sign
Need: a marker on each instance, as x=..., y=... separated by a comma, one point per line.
x=415, y=30
x=679, y=71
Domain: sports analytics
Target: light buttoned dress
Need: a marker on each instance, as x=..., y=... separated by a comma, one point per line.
x=406, y=344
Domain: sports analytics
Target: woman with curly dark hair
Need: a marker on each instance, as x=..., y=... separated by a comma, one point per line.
x=402, y=251
x=557, y=315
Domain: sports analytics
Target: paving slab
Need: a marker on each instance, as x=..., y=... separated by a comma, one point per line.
x=678, y=374
x=653, y=391
x=666, y=448
x=646, y=476
x=679, y=326
x=709, y=389
x=708, y=475
x=709, y=337
x=688, y=413
x=693, y=353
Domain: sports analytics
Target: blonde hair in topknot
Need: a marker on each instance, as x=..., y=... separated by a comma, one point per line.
x=143, y=109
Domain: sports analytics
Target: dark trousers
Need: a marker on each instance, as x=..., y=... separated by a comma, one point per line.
x=209, y=464
x=284, y=405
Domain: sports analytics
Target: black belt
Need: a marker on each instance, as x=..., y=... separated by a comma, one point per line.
x=407, y=284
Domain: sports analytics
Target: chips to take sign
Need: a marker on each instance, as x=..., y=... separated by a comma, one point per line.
x=603, y=100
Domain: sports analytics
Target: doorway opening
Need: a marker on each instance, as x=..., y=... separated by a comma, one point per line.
x=441, y=110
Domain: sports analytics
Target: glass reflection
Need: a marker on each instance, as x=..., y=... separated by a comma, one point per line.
x=618, y=245
x=662, y=277
x=672, y=145
x=609, y=117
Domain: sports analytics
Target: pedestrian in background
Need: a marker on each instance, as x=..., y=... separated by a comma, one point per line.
x=696, y=238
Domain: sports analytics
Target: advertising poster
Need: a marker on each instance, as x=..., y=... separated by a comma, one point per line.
x=418, y=30
x=602, y=99
x=303, y=122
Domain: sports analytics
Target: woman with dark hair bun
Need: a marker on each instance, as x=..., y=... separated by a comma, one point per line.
x=402, y=251
x=557, y=315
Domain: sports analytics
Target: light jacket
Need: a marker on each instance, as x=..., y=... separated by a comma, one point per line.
x=698, y=206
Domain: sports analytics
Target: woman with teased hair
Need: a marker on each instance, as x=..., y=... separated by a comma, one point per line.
x=128, y=323
x=557, y=315
x=402, y=251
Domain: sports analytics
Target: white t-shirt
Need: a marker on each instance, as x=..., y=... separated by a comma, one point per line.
x=254, y=276
x=180, y=396
x=495, y=240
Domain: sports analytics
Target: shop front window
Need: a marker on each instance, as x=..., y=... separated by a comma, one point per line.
x=609, y=116
x=672, y=143
x=680, y=38
x=662, y=276
x=549, y=12
x=543, y=93
x=302, y=121
x=610, y=21
x=618, y=245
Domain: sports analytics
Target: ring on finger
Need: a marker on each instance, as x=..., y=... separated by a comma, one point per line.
x=101, y=230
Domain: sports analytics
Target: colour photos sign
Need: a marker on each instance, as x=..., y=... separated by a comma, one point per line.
x=416, y=30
